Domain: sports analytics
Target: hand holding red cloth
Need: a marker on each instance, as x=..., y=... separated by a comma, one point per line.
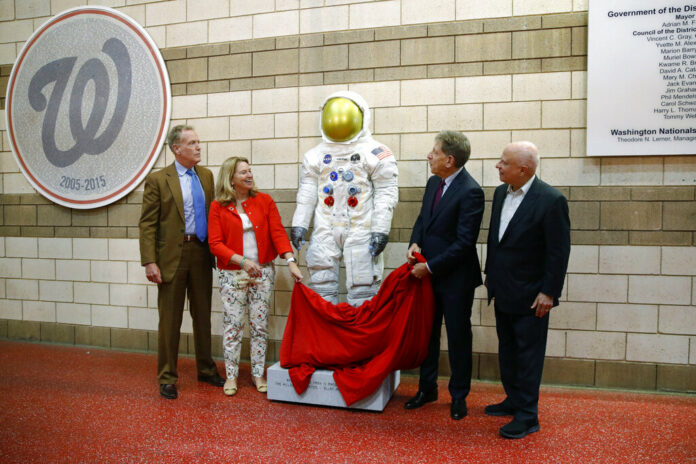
x=361, y=345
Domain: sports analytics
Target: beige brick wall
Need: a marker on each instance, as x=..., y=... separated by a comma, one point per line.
x=251, y=77
x=178, y=23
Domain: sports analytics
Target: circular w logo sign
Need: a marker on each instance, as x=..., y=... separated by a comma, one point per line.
x=72, y=92
x=86, y=140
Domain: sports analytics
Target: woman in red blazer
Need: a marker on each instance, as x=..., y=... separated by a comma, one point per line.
x=245, y=234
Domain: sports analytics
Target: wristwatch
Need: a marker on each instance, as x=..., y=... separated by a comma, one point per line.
x=291, y=260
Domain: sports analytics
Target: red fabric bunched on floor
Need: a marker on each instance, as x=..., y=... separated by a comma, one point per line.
x=361, y=345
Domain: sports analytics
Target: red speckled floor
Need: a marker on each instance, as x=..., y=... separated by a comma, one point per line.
x=65, y=404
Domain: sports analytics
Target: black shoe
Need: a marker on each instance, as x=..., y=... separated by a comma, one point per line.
x=458, y=410
x=519, y=429
x=215, y=380
x=420, y=399
x=500, y=409
x=168, y=390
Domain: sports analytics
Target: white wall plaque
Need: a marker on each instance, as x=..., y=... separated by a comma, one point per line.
x=87, y=108
x=641, y=78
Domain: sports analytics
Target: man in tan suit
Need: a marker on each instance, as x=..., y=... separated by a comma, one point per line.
x=174, y=251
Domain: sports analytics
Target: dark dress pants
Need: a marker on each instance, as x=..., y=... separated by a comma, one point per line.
x=521, y=351
x=456, y=310
x=193, y=277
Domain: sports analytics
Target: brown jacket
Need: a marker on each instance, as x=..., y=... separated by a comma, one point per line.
x=162, y=224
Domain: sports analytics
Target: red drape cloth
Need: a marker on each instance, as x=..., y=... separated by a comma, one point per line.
x=361, y=345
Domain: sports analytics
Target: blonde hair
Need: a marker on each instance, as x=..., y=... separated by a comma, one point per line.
x=224, y=191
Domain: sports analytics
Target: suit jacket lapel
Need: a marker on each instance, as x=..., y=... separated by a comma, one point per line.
x=448, y=196
x=496, y=208
x=175, y=188
x=522, y=210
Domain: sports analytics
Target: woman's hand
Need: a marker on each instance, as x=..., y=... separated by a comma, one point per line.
x=252, y=268
x=295, y=272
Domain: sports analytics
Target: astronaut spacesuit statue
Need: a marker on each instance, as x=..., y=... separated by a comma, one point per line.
x=350, y=183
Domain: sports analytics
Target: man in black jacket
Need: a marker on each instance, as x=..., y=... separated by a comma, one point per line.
x=445, y=233
x=528, y=249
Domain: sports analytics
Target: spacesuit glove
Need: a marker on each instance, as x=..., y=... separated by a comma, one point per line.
x=297, y=237
x=377, y=243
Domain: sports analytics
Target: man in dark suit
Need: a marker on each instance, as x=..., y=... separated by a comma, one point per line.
x=174, y=251
x=528, y=249
x=445, y=233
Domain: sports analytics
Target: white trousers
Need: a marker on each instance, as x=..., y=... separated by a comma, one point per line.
x=363, y=272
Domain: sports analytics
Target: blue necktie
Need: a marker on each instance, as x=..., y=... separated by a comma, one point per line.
x=198, y=206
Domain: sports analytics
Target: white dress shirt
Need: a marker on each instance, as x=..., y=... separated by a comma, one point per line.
x=449, y=179
x=511, y=203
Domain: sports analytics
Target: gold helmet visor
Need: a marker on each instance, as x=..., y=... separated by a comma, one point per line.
x=341, y=119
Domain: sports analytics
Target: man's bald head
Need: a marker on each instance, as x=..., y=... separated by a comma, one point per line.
x=518, y=163
x=526, y=154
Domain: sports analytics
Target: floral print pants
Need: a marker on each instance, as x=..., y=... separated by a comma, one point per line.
x=242, y=294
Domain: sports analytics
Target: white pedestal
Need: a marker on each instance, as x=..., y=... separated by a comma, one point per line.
x=322, y=390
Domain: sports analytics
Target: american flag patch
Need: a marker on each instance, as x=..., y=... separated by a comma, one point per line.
x=382, y=152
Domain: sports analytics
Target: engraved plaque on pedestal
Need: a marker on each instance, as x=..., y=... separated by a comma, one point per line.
x=322, y=390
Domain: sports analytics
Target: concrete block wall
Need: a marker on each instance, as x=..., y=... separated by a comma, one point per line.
x=250, y=76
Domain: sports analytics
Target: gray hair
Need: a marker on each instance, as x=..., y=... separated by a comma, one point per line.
x=174, y=136
x=455, y=144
